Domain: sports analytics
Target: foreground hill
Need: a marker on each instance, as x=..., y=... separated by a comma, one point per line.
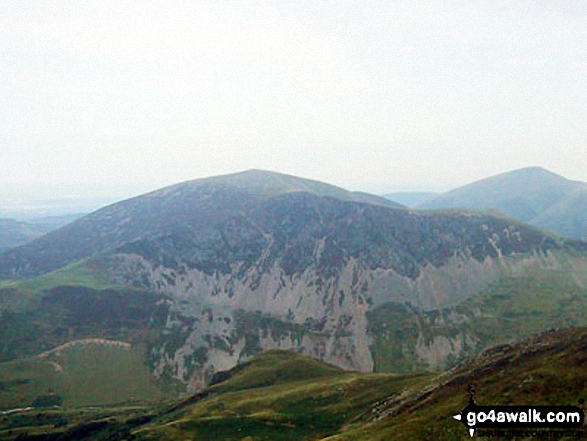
x=532, y=194
x=284, y=396
x=209, y=273
x=546, y=369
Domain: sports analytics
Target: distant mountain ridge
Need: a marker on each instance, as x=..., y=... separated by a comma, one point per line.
x=533, y=194
x=14, y=233
x=410, y=198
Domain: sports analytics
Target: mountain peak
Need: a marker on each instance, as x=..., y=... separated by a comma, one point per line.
x=266, y=184
x=531, y=172
x=524, y=193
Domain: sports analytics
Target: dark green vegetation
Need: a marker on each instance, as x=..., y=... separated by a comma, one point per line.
x=33, y=322
x=84, y=344
x=284, y=396
x=95, y=423
x=533, y=195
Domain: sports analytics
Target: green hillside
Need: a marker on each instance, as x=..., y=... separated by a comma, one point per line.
x=72, y=303
x=277, y=396
x=84, y=372
x=546, y=369
x=509, y=310
x=284, y=396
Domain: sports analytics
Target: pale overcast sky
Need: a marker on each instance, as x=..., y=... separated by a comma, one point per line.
x=115, y=98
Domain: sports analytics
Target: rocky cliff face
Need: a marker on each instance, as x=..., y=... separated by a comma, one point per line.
x=306, y=272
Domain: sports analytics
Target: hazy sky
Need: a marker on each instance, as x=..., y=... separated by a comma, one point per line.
x=115, y=98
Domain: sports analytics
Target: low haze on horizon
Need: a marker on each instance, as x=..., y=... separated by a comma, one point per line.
x=105, y=100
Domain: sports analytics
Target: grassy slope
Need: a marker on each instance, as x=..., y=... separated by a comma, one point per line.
x=19, y=295
x=544, y=369
x=84, y=374
x=69, y=424
x=278, y=396
x=284, y=396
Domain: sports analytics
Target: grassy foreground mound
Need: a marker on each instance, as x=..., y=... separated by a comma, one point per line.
x=285, y=396
x=81, y=373
x=277, y=396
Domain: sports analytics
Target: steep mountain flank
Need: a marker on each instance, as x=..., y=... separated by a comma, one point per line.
x=532, y=194
x=308, y=273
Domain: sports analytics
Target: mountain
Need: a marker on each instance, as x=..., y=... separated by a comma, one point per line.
x=410, y=198
x=186, y=207
x=50, y=223
x=14, y=233
x=280, y=395
x=532, y=194
x=208, y=273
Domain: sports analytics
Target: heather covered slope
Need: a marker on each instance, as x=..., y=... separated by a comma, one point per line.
x=544, y=369
x=532, y=194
